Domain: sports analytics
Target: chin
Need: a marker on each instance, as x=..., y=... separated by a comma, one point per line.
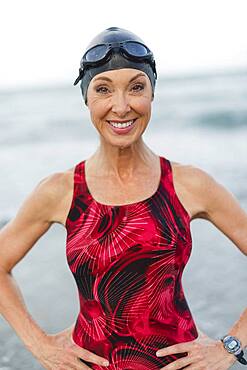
x=120, y=143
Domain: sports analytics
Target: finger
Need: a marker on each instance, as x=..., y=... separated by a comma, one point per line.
x=91, y=357
x=178, y=364
x=84, y=362
x=194, y=367
x=74, y=364
x=176, y=348
x=77, y=367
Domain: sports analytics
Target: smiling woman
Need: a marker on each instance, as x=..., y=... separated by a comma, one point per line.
x=127, y=213
x=120, y=103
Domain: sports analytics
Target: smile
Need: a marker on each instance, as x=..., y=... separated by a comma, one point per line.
x=121, y=125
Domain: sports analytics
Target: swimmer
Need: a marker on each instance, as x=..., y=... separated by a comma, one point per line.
x=127, y=212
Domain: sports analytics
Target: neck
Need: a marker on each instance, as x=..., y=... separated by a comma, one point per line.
x=122, y=162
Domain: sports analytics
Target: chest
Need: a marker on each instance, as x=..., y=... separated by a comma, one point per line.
x=107, y=190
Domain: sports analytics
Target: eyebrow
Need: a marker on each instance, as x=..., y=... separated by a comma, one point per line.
x=108, y=79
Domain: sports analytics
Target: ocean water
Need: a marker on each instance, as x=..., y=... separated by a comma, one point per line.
x=199, y=120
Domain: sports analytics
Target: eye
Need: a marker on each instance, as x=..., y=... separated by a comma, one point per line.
x=138, y=87
x=102, y=89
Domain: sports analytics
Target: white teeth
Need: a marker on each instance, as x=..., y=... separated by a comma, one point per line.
x=121, y=125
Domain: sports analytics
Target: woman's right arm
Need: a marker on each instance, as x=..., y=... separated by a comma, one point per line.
x=16, y=238
x=33, y=219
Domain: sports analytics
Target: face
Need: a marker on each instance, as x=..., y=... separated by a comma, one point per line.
x=119, y=102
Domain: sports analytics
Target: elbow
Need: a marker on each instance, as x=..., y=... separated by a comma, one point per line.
x=5, y=270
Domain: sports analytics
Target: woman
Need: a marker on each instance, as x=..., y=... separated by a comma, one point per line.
x=127, y=213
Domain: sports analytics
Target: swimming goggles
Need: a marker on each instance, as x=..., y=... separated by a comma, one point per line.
x=102, y=53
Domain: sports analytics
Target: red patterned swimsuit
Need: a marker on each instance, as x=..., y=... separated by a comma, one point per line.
x=127, y=262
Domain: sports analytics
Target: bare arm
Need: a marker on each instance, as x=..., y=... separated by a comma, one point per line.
x=239, y=329
x=33, y=219
x=39, y=210
x=221, y=208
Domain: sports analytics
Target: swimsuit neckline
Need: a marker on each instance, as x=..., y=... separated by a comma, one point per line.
x=128, y=204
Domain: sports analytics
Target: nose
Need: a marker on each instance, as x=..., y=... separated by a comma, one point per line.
x=120, y=104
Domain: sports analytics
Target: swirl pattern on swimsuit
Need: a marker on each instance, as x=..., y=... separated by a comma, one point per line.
x=127, y=262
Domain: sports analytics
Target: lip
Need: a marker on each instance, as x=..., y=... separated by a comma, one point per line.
x=122, y=131
x=118, y=121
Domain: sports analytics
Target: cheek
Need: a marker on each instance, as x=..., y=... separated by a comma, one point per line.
x=143, y=106
x=98, y=109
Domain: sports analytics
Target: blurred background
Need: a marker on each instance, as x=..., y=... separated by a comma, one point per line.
x=199, y=117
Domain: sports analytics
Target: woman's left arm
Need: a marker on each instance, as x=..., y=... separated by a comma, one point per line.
x=238, y=330
x=205, y=353
x=220, y=207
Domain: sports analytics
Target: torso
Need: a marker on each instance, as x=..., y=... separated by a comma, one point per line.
x=134, y=192
x=127, y=255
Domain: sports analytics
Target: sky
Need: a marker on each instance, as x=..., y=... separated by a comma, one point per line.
x=42, y=41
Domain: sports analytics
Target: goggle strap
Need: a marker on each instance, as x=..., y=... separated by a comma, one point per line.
x=81, y=73
x=154, y=68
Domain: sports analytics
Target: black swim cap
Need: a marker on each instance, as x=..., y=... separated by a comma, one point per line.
x=124, y=56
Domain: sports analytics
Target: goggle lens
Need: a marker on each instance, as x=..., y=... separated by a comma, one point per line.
x=95, y=54
x=136, y=49
x=99, y=52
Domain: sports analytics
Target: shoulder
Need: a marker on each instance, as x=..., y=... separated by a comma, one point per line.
x=51, y=193
x=199, y=185
x=213, y=202
x=36, y=214
x=54, y=185
x=190, y=174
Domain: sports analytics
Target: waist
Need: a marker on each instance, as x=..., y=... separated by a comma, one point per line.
x=129, y=352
